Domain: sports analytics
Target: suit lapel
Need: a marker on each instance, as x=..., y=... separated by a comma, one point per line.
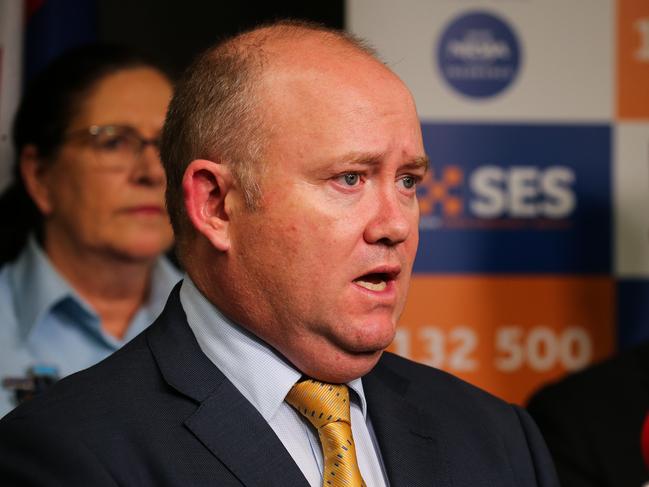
x=224, y=421
x=410, y=443
x=234, y=431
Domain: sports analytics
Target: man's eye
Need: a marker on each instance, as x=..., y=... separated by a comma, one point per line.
x=350, y=179
x=409, y=182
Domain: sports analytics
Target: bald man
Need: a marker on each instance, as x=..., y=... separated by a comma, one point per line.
x=292, y=158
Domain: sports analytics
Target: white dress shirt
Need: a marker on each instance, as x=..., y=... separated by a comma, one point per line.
x=264, y=378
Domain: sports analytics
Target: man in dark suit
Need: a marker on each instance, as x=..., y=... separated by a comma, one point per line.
x=593, y=422
x=292, y=157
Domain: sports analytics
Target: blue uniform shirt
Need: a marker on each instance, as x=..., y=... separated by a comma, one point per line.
x=44, y=322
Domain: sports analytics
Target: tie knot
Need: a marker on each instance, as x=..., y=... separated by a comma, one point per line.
x=319, y=402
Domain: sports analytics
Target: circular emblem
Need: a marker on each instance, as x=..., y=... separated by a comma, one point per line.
x=478, y=54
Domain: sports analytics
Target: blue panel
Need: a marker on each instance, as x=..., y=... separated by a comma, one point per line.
x=479, y=54
x=516, y=199
x=632, y=312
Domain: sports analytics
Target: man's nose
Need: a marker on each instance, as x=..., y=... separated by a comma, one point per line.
x=392, y=219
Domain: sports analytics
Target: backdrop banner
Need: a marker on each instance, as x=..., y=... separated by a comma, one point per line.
x=534, y=233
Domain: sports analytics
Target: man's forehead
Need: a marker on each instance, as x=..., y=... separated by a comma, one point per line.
x=333, y=82
x=325, y=88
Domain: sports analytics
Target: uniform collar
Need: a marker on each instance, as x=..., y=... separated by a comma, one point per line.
x=38, y=288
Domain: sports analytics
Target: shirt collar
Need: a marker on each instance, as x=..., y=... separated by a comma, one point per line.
x=38, y=287
x=257, y=370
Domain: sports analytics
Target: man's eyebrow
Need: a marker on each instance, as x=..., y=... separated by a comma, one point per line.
x=364, y=159
x=419, y=162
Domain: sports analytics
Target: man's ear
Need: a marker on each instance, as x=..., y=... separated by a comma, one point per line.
x=33, y=173
x=205, y=186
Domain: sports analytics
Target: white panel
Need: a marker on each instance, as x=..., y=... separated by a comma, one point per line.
x=567, y=65
x=631, y=199
x=10, y=55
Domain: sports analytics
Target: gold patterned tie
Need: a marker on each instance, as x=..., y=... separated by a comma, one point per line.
x=326, y=406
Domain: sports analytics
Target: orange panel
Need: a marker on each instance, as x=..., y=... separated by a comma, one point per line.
x=633, y=59
x=508, y=334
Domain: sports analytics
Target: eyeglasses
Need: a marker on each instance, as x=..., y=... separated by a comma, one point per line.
x=118, y=147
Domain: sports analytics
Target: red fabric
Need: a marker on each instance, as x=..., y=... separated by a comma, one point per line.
x=644, y=441
x=31, y=6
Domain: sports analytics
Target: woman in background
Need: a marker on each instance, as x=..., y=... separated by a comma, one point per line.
x=85, y=218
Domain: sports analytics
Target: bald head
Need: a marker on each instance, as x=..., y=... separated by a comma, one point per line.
x=217, y=112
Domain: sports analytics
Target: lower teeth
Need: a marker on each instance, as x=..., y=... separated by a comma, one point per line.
x=379, y=286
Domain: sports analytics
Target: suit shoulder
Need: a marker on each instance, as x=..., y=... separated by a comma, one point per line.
x=429, y=383
x=623, y=376
x=472, y=422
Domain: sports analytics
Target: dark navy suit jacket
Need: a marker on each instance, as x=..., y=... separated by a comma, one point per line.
x=593, y=422
x=159, y=413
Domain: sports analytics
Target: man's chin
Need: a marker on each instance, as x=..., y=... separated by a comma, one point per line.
x=346, y=366
x=373, y=339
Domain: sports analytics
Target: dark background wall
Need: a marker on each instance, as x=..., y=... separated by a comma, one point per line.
x=176, y=30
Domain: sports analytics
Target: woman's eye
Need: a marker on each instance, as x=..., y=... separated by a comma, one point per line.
x=351, y=179
x=113, y=143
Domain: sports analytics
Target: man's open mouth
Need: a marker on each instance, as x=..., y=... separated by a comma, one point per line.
x=375, y=281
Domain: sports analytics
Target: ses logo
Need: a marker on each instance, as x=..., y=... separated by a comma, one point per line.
x=496, y=197
x=516, y=198
x=478, y=54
